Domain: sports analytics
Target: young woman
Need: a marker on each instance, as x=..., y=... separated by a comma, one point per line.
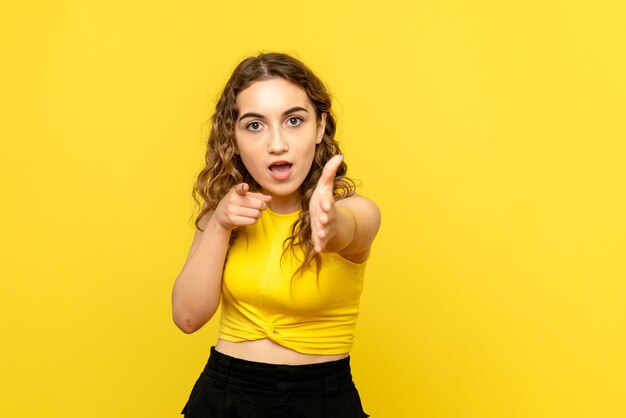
x=282, y=240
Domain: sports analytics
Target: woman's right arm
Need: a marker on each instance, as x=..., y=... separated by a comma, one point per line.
x=197, y=290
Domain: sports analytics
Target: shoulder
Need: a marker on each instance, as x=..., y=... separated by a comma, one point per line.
x=367, y=217
x=362, y=207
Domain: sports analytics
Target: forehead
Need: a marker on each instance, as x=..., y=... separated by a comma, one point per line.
x=273, y=95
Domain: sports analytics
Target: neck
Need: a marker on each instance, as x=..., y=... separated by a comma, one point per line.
x=284, y=204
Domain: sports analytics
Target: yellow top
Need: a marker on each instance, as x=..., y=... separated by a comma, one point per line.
x=260, y=299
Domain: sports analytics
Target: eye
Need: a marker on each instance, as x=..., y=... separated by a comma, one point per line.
x=294, y=121
x=253, y=126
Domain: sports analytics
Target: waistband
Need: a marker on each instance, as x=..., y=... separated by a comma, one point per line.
x=327, y=376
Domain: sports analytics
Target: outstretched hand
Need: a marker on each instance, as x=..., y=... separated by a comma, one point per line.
x=322, y=206
x=240, y=207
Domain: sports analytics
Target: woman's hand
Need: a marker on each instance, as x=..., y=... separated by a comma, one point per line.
x=240, y=207
x=322, y=206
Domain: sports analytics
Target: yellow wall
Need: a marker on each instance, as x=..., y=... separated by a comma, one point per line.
x=491, y=134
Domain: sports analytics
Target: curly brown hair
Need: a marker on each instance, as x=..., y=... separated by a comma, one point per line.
x=224, y=168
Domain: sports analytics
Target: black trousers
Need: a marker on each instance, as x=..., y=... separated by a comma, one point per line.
x=229, y=387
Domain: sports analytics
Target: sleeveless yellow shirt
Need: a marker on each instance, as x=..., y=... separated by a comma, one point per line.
x=260, y=299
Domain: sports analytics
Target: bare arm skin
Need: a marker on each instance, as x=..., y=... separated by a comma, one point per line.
x=197, y=289
x=347, y=226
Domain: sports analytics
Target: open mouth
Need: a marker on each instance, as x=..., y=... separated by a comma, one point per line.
x=280, y=167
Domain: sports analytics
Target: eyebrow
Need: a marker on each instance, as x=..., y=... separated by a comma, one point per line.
x=285, y=113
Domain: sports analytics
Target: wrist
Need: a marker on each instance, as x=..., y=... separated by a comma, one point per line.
x=216, y=229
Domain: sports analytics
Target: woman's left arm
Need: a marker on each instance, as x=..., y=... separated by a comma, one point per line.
x=347, y=226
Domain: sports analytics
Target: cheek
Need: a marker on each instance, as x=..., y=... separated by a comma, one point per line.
x=245, y=149
x=249, y=161
x=247, y=157
x=309, y=156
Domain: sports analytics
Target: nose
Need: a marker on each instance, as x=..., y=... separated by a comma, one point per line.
x=277, y=143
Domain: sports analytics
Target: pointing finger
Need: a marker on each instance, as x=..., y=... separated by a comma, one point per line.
x=264, y=197
x=242, y=189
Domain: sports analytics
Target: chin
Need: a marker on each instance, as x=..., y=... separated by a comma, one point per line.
x=283, y=190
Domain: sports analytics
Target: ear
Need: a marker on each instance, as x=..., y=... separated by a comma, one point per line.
x=321, y=128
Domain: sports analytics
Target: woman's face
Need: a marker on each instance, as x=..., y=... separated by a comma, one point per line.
x=276, y=133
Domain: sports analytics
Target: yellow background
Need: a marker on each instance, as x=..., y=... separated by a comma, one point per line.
x=491, y=134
